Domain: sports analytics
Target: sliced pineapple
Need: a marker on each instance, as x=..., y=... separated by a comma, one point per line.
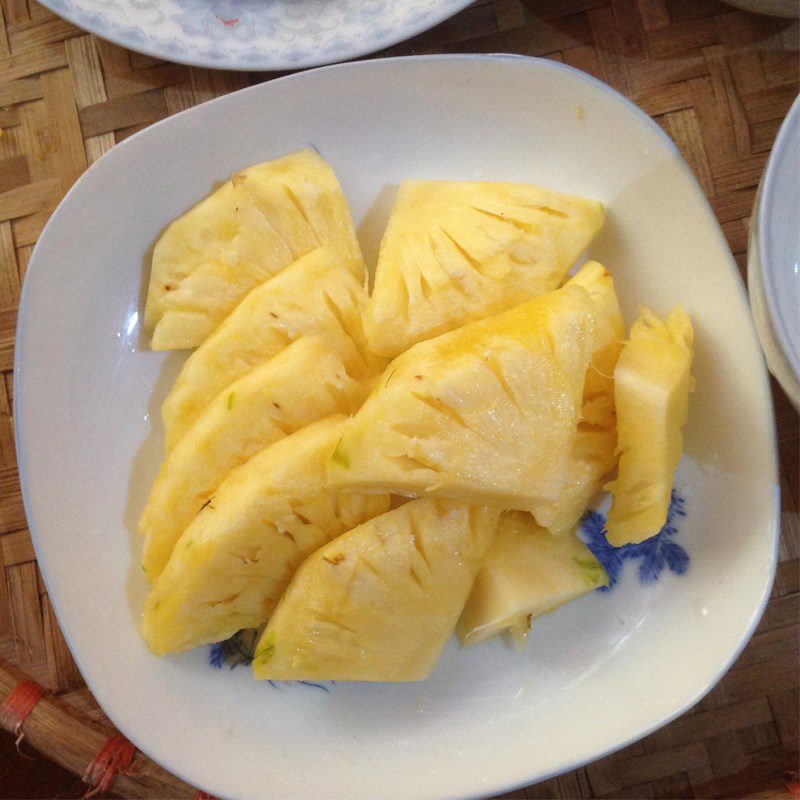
x=318, y=292
x=236, y=557
x=310, y=379
x=455, y=252
x=652, y=382
x=593, y=449
x=484, y=414
x=526, y=573
x=379, y=602
x=253, y=226
x=592, y=458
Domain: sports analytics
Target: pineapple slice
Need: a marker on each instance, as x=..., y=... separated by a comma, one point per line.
x=484, y=414
x=652, y=382
x=526, y=573
x=236, y=557
x=253, y=226
x=308, y=380
x=593, y=449
x=593, y=457
x=455, y=252
x=379, y=602
x=316, y=293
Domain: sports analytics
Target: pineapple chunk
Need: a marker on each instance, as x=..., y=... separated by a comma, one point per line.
x=253, y=226
x=455, y=252
x=526, y=573
x=308, y=380
x=592, y=458
x=484, y=414
x=236, y=557
x=316, y=293
x=609, y=334
x=652, y=382
x=593, y=449
x=379, y=602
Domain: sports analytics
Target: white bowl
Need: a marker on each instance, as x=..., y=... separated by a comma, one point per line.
x=773, y=257
x=598, y=673
x=256, y=34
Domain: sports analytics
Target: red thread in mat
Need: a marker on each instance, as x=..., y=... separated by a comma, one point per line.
x=204, y=796
x=19, y=704
x=114, y=757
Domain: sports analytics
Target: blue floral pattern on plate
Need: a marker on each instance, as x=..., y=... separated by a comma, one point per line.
x=256, y=34
x=239, y=649
x=654, y=554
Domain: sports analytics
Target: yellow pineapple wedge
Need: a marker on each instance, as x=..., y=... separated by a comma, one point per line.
x=484, y=414
x=318, y=292
x=652, y=382
x=310, y=379
x=260, y=221
x=455, y=252
x=234, y=560
x=526, y=573
x=593, y=449
x=379, y=602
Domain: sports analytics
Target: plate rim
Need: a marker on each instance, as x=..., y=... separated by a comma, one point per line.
x=789, y=127
x=772, y=528
x=112, y=34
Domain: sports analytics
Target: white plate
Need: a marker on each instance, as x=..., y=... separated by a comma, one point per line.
x=773, y=256
x=598, y=673
x=256, y=34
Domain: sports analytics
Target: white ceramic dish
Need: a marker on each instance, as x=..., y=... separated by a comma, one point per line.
x=256, y=34
x=597, y=674
x=773, y=257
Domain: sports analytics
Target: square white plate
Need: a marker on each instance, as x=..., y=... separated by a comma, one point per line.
x=598, y=673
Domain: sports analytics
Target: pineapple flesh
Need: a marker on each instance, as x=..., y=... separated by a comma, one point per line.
x=484, y=414
x=316, y=293
x=652, y=382
x=312, y=378
x=379, y=602
x=455, y=252
x=233, y=562
x=526, y=573
x=594, y=445
x=253, y=226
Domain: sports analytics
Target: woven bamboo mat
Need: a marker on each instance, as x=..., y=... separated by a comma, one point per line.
x=719, y=81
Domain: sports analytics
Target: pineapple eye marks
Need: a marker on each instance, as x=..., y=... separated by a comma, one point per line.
x=317, y=294
x=256, y=224
x=379, y=602
x=457, y=251
x=490, y=412
x=309, y=378
x=243, y=555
